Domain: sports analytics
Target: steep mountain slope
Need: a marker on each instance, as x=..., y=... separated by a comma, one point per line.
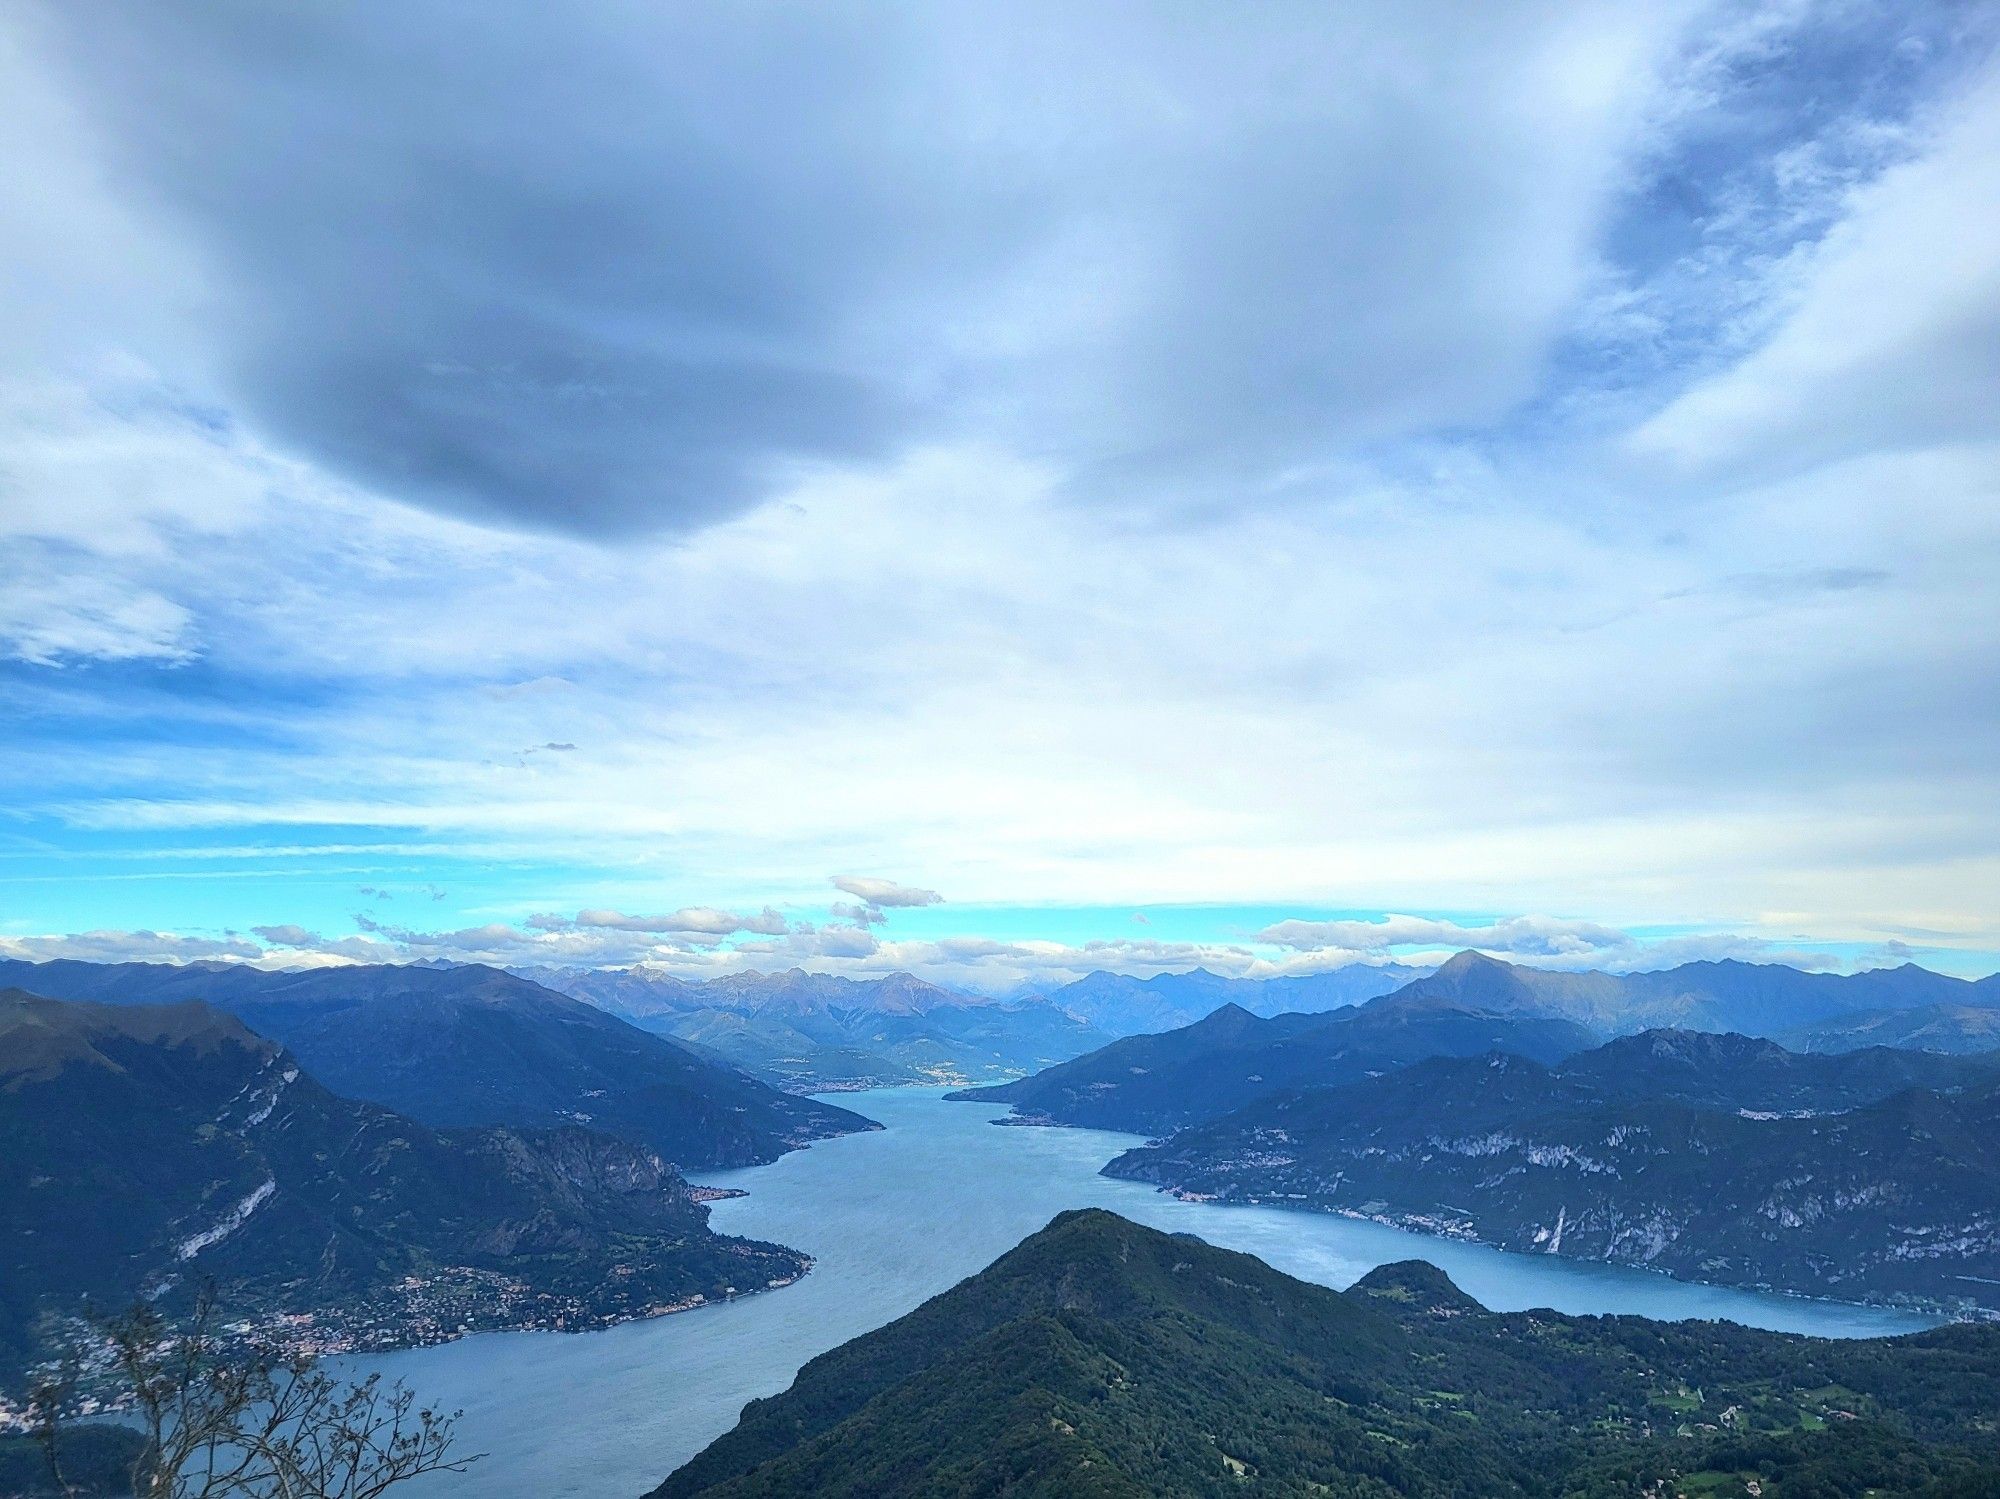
x=815, y=1031
x=473, y=1045
x=1102, y=1358
x=145, y=1147
x=1716, y=1158
x=1953, y=1028
x=1156, y=1084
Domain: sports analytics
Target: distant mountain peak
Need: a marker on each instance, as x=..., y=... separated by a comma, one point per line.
x=1467, y=960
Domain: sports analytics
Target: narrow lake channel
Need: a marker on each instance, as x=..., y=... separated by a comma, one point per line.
x=893, y=1218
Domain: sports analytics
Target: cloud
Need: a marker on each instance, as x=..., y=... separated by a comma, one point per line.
x=969, y=961
x=1225, y=493
x=702, y=920
x=58, y=621
x=1538, y=941
x=878, y=892
x=110, y=946
x=1893, y=337
x=668, y=257
x=1530, y=936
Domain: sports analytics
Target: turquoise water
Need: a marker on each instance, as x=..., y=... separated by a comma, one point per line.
x=893, y=1218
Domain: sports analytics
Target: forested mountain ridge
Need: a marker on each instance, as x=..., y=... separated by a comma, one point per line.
x=1157, y=1084
x=1102, y=1358
x=463, y=1045
x=1469, y=1005
x=1869, y=1175
x=145, y=1148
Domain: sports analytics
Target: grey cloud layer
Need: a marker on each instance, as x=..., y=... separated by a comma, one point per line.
x=622, y=268
x=1664, y=658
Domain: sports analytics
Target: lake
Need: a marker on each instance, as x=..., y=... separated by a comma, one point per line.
x=893, y=1218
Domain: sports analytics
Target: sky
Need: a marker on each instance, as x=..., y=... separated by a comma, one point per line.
x=1001, y=491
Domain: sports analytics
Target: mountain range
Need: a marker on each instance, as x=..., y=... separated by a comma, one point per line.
x=1752, y=999
x=1863, y=1175
x=1157, y=1084
x=1102, y=1359
x=1944, y=1027
x=1121, y=1005
x=147, y=1148
x=814, y=1031
x=465, y=1045
x=1469, y=1005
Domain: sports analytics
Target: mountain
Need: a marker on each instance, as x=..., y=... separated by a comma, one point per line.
x=1756, y=999
x=1953, y=1028
x=1469, y=1005
x=472, y=1045
x=1869, y=1175
x=1720, y=1071
x=1099, y=1358
x=1121, y=1005
x=144, y=1148
x=1157, y=1084
x=813, y=1031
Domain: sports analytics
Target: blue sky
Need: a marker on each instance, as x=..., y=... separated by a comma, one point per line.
x=1337, y=483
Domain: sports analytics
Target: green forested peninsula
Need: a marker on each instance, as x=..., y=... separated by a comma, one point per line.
x=1100, y=1358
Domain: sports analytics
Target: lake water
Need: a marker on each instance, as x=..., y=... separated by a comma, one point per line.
x=893, y=1218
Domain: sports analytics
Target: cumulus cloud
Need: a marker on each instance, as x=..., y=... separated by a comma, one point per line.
x=142, y=946
x=879, y=892
x=973, y=962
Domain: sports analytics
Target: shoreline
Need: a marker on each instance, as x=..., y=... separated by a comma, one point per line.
x=1419, y=1227
x=1949, y=1313
x=289, y=1334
